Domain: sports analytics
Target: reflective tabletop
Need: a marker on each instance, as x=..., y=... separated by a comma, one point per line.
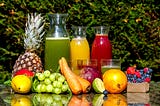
x=151, y=98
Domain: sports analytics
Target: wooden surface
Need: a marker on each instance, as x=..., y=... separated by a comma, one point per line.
x=150, y=98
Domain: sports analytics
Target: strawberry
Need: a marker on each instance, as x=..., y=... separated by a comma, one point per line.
x=131, y=70
x=24, y=72
x=145, y=70
x=138, y=74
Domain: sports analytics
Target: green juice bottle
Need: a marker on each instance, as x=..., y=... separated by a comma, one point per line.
x=57, y=42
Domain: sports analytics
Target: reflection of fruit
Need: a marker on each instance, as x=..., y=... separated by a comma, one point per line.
x=98, y=100
x=98, y=85
x=21, y=84
x=115, y=100
x=46, y=99
x=80, y=100
x=115, y=81
x=86, y=100
x=22, y=100
x=75, y=101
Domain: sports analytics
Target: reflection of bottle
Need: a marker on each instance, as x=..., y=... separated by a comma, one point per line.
x=79, y=49
x=57, y=42
x=101, y=47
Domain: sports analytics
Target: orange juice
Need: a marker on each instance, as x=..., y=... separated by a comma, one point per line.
x=80, y=53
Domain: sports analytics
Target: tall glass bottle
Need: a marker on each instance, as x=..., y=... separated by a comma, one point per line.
x=101, y=47
x=57, y=43
x=79, y=49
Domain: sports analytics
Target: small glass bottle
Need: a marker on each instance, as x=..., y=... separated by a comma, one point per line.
x=101, y=47
x=57, y=43
x=79, y=49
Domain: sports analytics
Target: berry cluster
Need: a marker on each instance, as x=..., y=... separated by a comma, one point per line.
x=139, y=75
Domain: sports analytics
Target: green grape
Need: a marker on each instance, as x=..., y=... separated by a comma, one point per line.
x=61, y=78
x=43, y=87
x=38, y=88
x=59, y=84
x=41, y=77
x=54, y=83
x=47, y=73
x=52, y=77
x=37, y=74
x=47, y=81
x=57, y=90
x=58, y=75
x=49, y=88
x=64, y=88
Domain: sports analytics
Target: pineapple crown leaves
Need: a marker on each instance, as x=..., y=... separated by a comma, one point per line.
x=34, y=31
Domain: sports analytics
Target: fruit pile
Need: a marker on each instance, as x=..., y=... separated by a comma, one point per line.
x=139, y=75
x=66, y=81
x=49, y=82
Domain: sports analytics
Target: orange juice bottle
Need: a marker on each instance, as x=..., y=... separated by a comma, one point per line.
x=79, y=49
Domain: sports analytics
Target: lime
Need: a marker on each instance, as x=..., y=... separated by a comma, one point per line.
x=98, y=85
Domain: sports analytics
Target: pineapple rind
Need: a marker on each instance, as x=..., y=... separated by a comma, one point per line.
x=28, y=60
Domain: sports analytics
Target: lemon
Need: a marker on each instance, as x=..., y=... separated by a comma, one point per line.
x=21, y=84
x=98, y=85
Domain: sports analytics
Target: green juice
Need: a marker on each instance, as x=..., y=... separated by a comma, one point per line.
x=55, y=48
x=105, y=68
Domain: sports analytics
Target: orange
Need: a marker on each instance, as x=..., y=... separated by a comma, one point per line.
x=115, y=80
x=115, y=100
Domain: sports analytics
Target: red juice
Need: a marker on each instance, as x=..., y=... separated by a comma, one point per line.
x=101, y=49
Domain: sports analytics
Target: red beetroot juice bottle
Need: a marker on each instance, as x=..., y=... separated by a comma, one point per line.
x=101, y=47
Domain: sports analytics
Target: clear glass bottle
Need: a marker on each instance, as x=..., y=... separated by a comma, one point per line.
x=101, y=47
x=79, y=49
x=57, y=43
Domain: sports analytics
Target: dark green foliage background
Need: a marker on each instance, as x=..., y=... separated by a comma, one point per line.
x=134, y=27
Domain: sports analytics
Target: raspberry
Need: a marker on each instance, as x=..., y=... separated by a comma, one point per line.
x=147, y=79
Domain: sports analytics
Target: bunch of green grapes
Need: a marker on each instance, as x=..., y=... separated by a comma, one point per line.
x=50, y=100
x=50, y=82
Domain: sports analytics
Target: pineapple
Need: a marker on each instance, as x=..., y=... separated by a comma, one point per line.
x=32, y=40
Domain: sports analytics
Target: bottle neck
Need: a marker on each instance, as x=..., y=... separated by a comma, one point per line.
x=58, y=25
x=101, y=30
x=79, y=31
